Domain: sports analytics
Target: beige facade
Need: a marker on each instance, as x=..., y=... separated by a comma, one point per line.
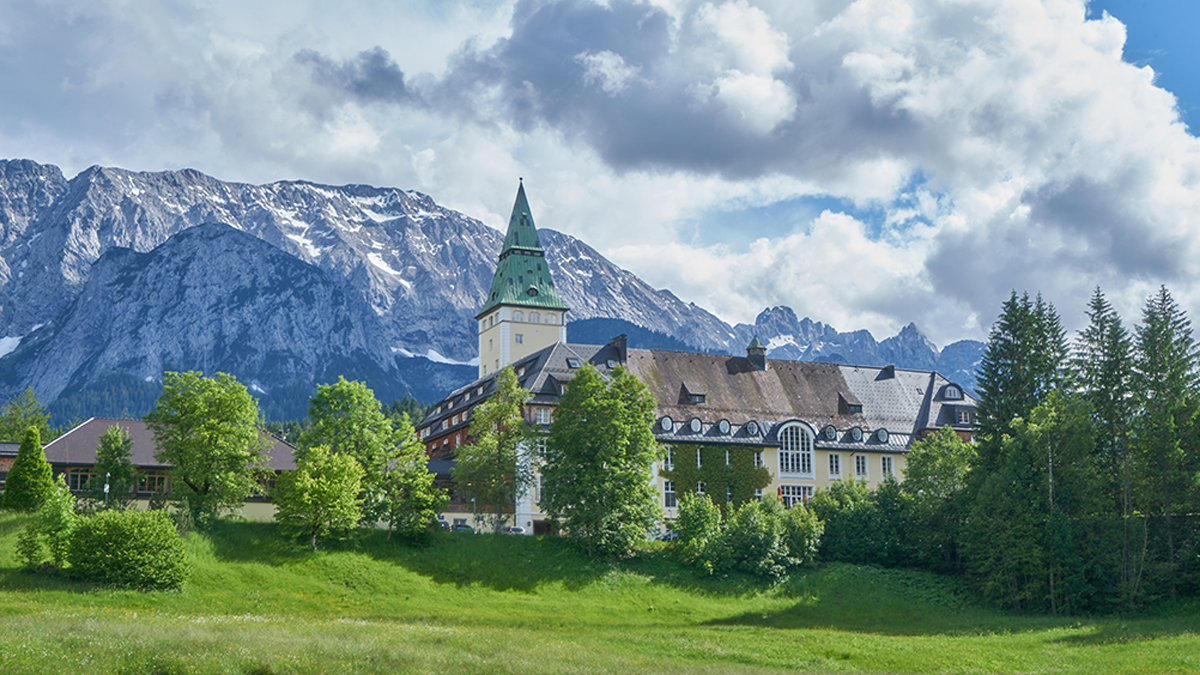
x=509, y=334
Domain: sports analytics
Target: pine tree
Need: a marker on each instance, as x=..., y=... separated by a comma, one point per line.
x=1102, y=369
x=29, y=480
x=1165, y=379
x=21, y=412
x=1024, y=360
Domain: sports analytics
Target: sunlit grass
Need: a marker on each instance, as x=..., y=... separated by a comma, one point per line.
x=483, y=603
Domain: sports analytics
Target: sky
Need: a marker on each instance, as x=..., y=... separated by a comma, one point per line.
x=868, y=163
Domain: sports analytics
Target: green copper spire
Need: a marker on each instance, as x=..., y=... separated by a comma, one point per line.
x=522, y=275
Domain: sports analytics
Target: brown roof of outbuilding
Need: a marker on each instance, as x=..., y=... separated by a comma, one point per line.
x=78, y=446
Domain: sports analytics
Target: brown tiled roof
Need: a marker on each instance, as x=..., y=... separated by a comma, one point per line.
x=78, y=446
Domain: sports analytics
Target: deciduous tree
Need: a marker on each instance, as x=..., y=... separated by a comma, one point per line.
x=207, y=429
x=348, y=419
x=321, y=496
x=598, y=460
x=494, y=468
x=412, y=500
x=113, y=460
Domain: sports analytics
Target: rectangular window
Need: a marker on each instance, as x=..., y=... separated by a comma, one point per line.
x=835, y=466
x=153, y=482
x=519, y=339
x=669, y=464
x=888, y=466
x=860, y=466
x=700, y=488
x=698, y=463
x=758, y=495
x=669, y=494
x=964, y=416
x=729, y=493
x=543, y=416
x=795, y=494
x=79, y=479
x=726, y=458
x=758, y=460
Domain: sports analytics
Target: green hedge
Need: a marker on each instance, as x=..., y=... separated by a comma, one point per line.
x=138, y=549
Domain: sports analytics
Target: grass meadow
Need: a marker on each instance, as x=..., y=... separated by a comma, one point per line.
x=467, y=603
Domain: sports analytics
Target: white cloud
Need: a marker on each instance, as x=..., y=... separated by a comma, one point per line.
x=974, y=146
x=608, y=70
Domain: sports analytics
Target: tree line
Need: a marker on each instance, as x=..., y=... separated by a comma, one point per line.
x=1080, y=492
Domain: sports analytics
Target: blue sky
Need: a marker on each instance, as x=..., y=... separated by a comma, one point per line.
x=866, y=162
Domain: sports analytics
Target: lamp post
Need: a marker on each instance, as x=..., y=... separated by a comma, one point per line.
x=474, y=516
x=106, y=475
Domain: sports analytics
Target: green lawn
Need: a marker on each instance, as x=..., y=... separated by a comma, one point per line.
x=481, y=603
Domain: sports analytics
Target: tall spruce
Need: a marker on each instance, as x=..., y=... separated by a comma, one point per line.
x=1165, y=379
x=1024, y=359
x=1102, y=369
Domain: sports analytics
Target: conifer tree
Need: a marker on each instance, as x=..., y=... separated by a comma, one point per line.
x=29, y=480
x=1102, y=369
x=1024, y=359
x=1165, y=379
x=21, y=412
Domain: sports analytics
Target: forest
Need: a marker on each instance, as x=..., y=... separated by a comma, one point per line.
x=1080, y=493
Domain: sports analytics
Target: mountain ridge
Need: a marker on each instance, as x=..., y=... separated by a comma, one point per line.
x=410, y=274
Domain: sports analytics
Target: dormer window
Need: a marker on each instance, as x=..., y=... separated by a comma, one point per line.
x=696, y=398
x=830, y=433
x=695, y=425
x=667, y=424
x=856, y=434
x=952, y=393
x=964, y=416
x=574, y=363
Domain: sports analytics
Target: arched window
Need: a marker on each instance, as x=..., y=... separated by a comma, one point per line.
x=518, y=315
x=551, y=318
x=795, y=450
x=534, y=317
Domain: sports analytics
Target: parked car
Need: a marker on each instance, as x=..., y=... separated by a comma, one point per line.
x=443, y=524
x=514, y=529
x=463, y=528
x=669, y=535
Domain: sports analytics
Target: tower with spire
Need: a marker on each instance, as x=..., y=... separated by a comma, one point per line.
x=523, y=312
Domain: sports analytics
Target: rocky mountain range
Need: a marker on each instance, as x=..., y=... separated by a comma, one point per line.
x=111, y=277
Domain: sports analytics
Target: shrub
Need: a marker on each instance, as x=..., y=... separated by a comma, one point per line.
x=138, y=549
x=759, y=537
x=52, y=528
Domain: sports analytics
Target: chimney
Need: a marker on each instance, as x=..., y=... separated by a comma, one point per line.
x=757, y=354
x=619, y=343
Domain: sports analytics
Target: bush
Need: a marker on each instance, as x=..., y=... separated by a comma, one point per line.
x=759, y=537
x=138, y=549
x=51, y=528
